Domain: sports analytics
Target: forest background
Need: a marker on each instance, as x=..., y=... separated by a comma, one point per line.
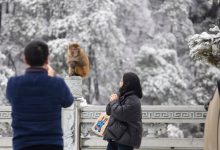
x=148, y=37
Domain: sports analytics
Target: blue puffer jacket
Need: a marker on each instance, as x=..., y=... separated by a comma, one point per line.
x=36, y=101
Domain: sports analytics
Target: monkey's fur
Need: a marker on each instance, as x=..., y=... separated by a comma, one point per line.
x=77, y=61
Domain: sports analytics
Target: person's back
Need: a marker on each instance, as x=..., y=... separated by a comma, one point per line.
x=36, y=101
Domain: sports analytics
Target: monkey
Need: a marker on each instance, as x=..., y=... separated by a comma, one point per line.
x=77, y=61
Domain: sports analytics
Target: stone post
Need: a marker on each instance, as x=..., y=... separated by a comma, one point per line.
x=75, y=85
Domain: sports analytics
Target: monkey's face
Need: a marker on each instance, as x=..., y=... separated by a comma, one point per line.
x=74, y=51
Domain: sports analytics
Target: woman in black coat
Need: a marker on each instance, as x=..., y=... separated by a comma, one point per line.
x=124, y=130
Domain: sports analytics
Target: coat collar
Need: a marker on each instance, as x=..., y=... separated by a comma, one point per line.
x=36, y=70
x=126, y=95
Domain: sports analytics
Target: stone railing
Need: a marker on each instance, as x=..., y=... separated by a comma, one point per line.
x=155, y=120
x=78, y=120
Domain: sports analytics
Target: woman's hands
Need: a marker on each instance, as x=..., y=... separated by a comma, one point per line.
x=113, y=97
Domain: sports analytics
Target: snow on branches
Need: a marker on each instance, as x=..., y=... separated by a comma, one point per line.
x=206, y=46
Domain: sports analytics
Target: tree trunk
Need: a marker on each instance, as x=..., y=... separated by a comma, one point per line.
x=12, y=63
x=96, y=81
x=14, y=8
x=215, y=2
x=0, y=16
x=90, y=77
x=7, y=7
x=214, y=10
x=88, y=96
x=93, y=79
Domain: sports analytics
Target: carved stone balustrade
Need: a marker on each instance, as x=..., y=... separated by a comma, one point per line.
x=78, y=120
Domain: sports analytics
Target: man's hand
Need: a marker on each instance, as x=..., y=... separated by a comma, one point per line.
x=50, y=71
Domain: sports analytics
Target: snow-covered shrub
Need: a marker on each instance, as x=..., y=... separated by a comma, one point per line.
x=174, y=132
x=206, y=46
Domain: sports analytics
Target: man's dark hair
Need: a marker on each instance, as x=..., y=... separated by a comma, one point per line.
x=36, y=53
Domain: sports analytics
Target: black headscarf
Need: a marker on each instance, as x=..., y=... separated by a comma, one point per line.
x=131, y=82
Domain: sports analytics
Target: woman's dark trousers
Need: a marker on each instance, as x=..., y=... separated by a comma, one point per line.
x=115, y=146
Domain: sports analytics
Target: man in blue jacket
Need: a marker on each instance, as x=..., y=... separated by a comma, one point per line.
x=36, y=99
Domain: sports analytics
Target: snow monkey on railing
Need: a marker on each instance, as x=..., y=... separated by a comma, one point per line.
x=77, y=61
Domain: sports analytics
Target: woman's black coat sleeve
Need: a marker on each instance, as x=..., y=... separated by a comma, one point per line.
x=129, y=111
x=108, y=107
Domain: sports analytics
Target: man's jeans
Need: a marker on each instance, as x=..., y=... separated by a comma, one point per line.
x=43, y=147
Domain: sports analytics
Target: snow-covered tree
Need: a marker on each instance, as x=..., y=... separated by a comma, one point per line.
x=206, y=47
x=5, y=73
x=161, y=76
x=114, y=34
x=99, y=36
x=92, y=24
x=104, y=41
x=57, y=49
